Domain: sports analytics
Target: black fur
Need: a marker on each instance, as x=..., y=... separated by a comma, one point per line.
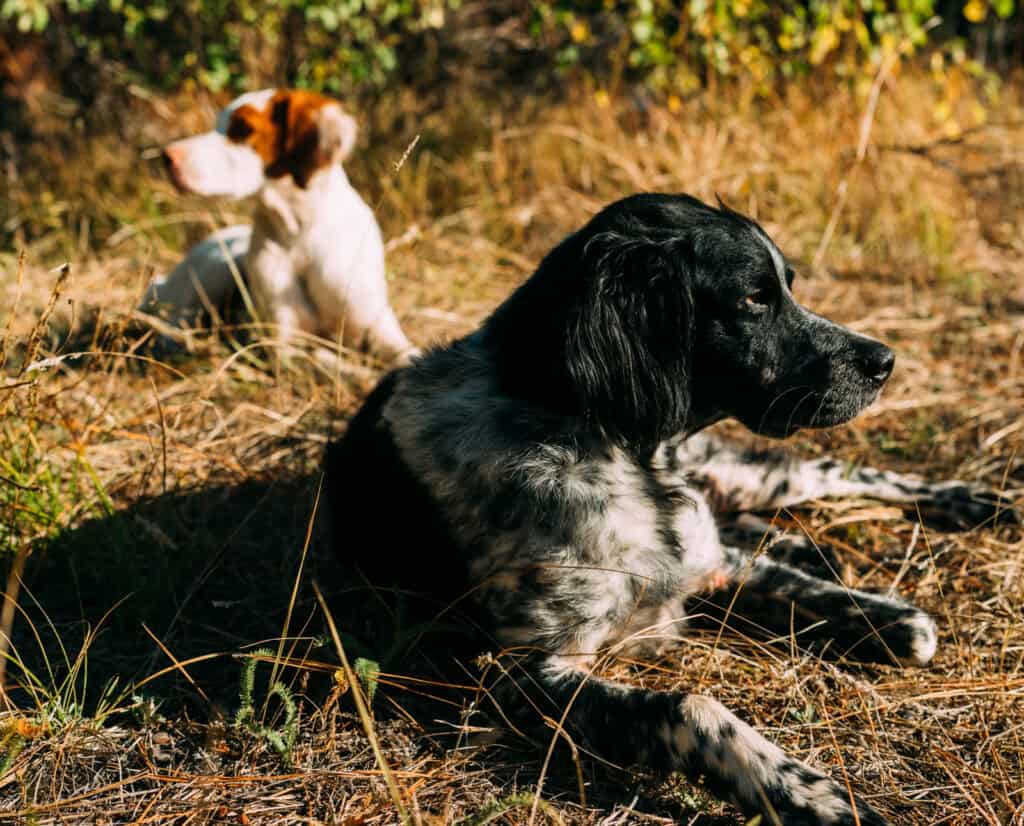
x=544, y=472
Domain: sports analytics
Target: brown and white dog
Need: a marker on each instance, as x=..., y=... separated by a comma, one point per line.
x=313, y=258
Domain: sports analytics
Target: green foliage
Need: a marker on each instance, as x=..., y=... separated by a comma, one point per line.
x=676, y=46
x=34, y=492
x=498, y=808
x=338, y=45
x=368, y=672
x=281, y=739
x=58, y=687
x=235, y=43
x=11, y=744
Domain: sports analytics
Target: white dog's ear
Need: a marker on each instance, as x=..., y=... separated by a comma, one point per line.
x=338, y=133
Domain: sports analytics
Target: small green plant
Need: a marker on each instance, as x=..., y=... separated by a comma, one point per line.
x=146, y=710
x=281, y=739
x=12, y=741
x=35, y=491
x=367, y=671
x=502, y=806
x=58, y=691
x=808, y=714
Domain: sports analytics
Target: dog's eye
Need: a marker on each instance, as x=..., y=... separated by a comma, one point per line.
x=239, y=129
x=757, y=301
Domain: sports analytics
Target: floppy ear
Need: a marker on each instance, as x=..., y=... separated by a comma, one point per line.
x=629, y=340
x=337, y=131
x=312, y=134
x=294, y=141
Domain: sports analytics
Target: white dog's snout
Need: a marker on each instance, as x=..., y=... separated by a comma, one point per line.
x=210, y=164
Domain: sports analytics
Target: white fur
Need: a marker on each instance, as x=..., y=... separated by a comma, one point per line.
x=752, y=762
x=925, y=640
x=204, y=279
x=315, y=258
x=210, y=164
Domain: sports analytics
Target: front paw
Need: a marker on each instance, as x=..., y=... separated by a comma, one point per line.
x=959, y=506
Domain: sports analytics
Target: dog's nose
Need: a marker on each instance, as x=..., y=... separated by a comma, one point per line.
x=171, y=157
x=174, y=158
x=877, y=363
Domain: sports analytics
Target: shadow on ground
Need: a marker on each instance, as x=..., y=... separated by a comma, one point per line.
x=205, y=571
x=212, y=571
x=218, y=571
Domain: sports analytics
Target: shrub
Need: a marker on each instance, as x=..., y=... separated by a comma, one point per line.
x=338, y=45
x=228, y=44
x=677, y=47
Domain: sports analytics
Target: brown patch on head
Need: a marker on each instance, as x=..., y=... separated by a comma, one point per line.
x=286, y=134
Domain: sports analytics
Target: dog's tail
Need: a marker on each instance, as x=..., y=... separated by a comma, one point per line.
x=671, y=731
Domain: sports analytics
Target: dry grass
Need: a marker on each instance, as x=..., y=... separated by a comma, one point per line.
x=190, y=484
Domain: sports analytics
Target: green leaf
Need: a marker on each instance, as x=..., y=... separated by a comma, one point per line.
x=368, y=672
x=642, y=30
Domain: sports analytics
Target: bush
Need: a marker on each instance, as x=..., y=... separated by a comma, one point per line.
x=229, y=44
x=677, y=47
x=338, y=45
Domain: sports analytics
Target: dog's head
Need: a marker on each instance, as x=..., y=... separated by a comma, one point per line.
x=268, y=135
x=663, y=315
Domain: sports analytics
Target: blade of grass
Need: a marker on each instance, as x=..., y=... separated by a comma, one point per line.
x=363, y=709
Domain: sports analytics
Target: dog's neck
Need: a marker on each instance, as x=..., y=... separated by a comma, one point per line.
x=288, y=211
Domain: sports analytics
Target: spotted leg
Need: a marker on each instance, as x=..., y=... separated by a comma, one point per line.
x=747, y=530
x=668, y=731
x=765, y=596
x=745, y=480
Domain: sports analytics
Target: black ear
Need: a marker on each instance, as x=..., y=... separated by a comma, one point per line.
x=629, y=340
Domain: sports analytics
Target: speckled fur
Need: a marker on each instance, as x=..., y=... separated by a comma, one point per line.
x=523, y=480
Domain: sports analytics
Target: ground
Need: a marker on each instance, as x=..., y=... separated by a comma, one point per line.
x=161, y=505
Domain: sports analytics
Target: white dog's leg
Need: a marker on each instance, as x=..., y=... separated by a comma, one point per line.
x=383, y=335
x=204, y=280
x=277, y=293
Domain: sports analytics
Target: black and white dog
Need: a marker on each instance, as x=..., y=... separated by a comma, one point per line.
x=546, y=470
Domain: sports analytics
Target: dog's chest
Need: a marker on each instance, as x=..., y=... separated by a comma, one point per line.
x=566, y=542
x=514, y=501
x=653, y=527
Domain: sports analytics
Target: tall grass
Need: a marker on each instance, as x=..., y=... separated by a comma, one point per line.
x=185, y=486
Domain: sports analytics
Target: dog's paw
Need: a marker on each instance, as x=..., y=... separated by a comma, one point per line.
x=803, y=796
x=912, y=639
x=743, y=766
x=959, y=506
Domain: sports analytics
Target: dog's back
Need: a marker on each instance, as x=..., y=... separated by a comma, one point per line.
x=533, y=469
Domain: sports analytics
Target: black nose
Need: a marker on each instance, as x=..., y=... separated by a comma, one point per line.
x=877, y=363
